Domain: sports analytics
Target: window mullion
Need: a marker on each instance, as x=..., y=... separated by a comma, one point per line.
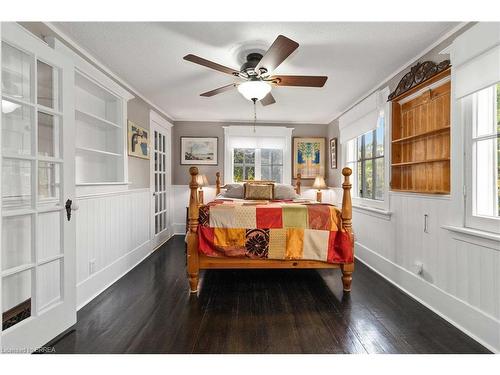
x=257, y=164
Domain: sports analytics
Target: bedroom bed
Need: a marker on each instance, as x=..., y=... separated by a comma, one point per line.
x=288, y=233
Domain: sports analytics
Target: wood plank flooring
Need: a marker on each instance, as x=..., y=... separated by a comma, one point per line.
x=150, y=310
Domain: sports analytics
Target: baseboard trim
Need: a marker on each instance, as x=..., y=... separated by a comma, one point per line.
x=473, y=322
x=94, y=285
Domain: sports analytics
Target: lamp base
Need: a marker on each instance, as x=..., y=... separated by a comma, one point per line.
x=319, y=196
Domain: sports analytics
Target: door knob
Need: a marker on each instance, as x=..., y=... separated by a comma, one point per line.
x=70, y=206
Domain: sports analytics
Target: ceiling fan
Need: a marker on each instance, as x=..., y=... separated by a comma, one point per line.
x=256, y=72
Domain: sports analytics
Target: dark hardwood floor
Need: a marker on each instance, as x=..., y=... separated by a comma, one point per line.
x=256, y=311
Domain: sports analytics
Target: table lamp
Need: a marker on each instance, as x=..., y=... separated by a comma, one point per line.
x=319, y=183
x=202, y=181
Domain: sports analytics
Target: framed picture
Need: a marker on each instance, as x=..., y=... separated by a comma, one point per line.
x=333, y=153
x=309, y=157
x=138, y=141
x=199, y=151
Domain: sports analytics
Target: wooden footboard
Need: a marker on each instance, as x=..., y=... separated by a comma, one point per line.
x=197, y=261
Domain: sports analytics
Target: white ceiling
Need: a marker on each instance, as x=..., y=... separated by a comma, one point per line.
x=354, y=56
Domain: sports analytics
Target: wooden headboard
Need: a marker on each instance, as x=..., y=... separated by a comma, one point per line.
x=218, y=185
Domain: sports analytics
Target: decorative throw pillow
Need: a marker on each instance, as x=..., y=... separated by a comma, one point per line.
x=282, y=191
x=233, y=191
x=259, y=191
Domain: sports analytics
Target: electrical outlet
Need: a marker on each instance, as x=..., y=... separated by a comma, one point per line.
x=419, y=268
x=91, y=266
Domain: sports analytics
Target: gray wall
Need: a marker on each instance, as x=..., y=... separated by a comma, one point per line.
x=180, y=174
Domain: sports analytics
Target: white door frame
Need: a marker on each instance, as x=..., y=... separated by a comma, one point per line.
x=159, y=123
x=45, y=324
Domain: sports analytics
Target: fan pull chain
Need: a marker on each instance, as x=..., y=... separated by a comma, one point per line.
x=254, y=114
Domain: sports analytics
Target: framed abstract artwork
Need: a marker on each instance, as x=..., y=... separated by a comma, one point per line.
x=199, y=150
x=138, y=141
x=333, y=153
x=309, y=157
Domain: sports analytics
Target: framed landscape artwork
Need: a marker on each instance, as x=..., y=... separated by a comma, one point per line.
x=138, y=141
x=199, y=151
x=309, y=157
x=333, y=153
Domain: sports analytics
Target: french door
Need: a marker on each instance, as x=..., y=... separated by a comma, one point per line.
x=160, y=179
x=37, y=147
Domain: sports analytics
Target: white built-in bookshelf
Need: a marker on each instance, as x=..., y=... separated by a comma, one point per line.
x=101, y=125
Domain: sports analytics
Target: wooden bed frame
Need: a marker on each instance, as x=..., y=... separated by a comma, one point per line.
x=197, y=261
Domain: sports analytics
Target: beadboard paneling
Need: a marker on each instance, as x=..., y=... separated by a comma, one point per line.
x=467, y=273
x=111, y=229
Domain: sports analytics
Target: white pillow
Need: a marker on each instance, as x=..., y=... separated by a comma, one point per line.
x=283, y=191
x=233, y=191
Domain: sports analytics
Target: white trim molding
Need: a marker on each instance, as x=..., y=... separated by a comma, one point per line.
x=474, y=236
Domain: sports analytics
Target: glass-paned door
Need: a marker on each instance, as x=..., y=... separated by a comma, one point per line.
x=160, y=181
x=37, y=148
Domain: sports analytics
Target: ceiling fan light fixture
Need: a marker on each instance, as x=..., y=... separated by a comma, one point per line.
x=254, y=89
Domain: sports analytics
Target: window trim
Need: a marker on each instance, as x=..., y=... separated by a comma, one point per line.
x=260, y=132
x=472, y=221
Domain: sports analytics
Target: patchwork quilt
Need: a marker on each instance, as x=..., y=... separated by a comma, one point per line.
x=273, y=230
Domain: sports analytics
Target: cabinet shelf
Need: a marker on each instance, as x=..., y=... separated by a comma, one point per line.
x=419, y=162
x=95, y=151
x=422, y=135
x=93, y=119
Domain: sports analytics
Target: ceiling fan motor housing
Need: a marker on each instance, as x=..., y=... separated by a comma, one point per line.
x=248, y=68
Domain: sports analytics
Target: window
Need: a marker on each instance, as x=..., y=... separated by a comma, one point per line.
x=365, y=156
x=263, y=153
x=482, y=119
x=257, y=164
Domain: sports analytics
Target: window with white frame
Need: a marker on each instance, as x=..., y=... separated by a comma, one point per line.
x=481, y=111
x=260, y=153
x=365, y=156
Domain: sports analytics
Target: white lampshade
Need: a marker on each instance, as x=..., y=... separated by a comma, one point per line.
x=254, y=89
x=319, y=183
x=202, y=180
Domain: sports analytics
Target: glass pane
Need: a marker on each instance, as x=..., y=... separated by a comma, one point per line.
x=368, y=191
x=156, y=161
x=487, y=189
x=351, y=150
x=16, y=241
x=485, y=102
x=238, y=156
x=276, y=173
x=359, y=147
x=156, y=182
x=46, y=86
x=17, y=125
x=48, y=135
x=249, y=156
x=163, y=140
x=48, y=180
x=265, y=172
x=16, y=298
x=16, y=73
x=163, y=164
x=238, y=174
x=265, y=156
x=249, y=173
x=48, y=288
x=360, y=179
x=368, y=144
x=156, y=140
x=16, y=183
x=379, y=179
x=277, y=156
x=48, y=235
x=156, y=224
x=379, y=139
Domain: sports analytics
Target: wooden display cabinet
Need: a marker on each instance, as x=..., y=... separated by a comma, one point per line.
x=421, y=137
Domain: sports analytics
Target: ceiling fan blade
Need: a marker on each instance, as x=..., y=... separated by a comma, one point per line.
x=305, y=81
x=219, y=90
x=281, y=48
x=210, y=64
x=268, y=99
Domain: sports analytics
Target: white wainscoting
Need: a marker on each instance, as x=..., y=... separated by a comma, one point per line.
x=460, y=280
x=181, y=201
x=112, y=237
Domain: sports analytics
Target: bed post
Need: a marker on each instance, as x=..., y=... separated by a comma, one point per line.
x=217, y=183
x=297, y=183
x=347, y=268
x=192, y=236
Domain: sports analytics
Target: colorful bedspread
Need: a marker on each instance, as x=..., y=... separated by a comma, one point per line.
x=273, y=230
